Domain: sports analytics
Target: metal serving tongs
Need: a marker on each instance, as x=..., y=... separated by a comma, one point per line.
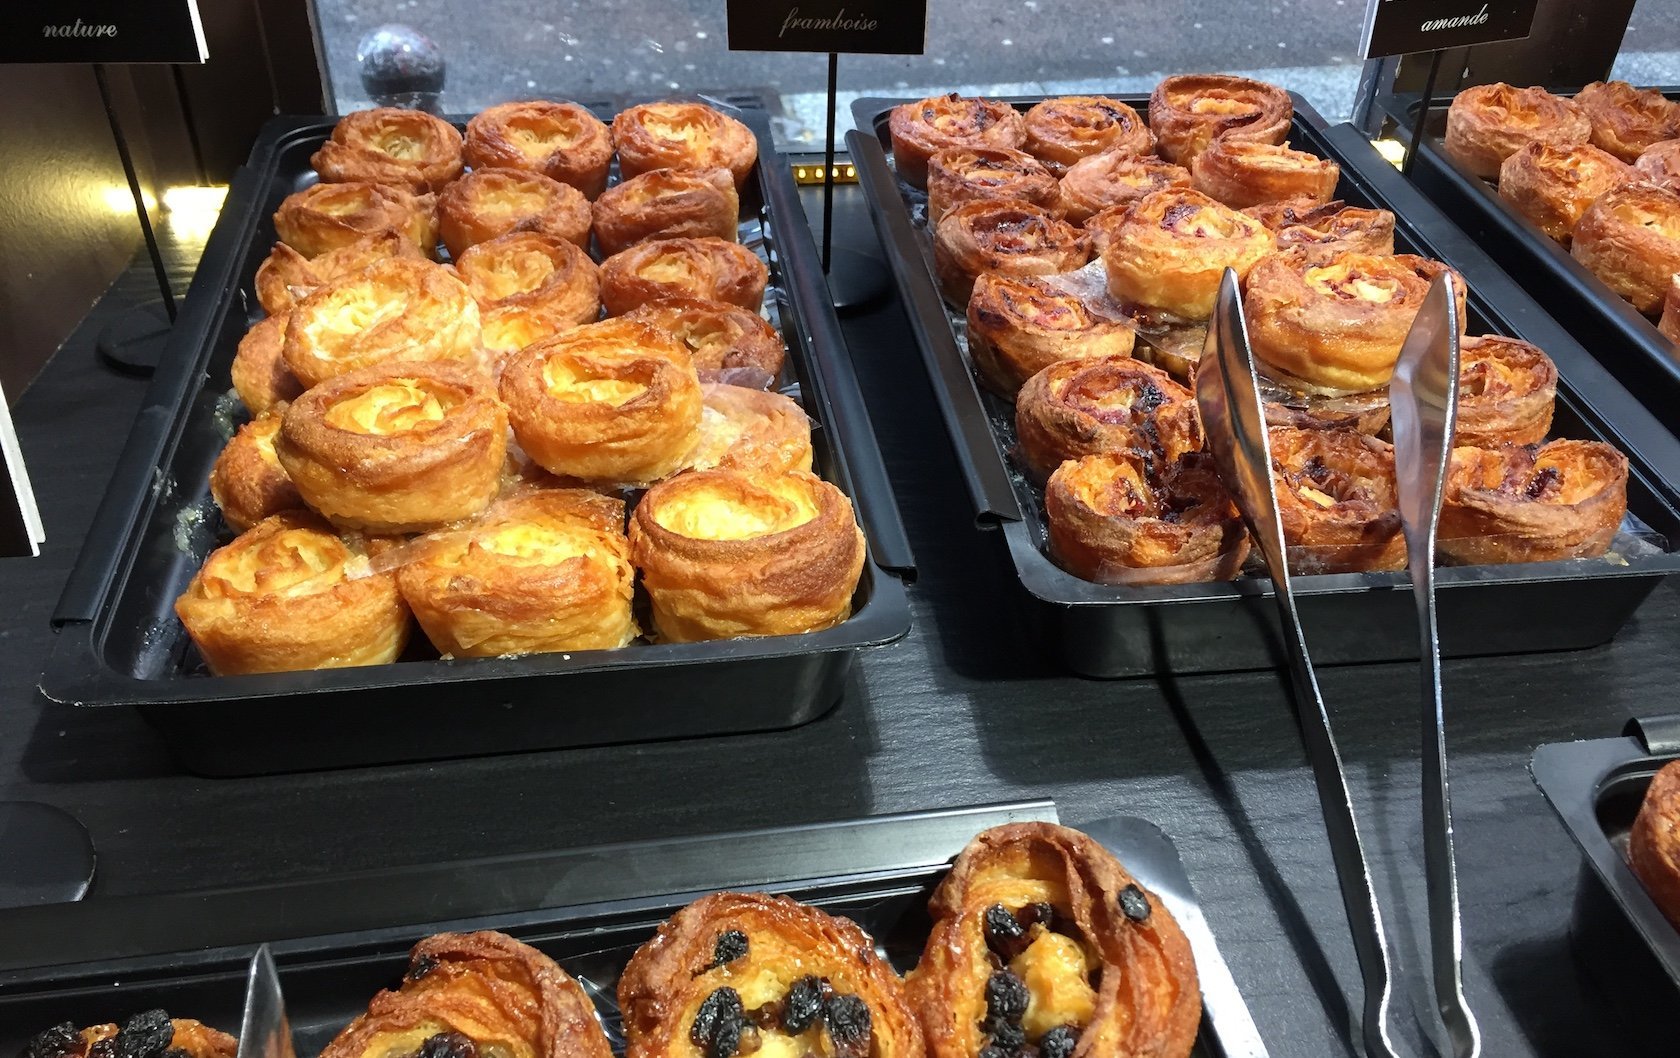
x=264, y=1031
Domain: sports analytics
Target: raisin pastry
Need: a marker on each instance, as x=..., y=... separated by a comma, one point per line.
x=1082, y=406
x=1563, y=499
x=149, y=1034
x=920, y=129
x=1337, y=500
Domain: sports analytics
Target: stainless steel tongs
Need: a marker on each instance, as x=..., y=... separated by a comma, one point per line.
x=1425, y=403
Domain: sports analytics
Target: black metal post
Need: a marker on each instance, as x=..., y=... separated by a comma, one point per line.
x=1423, y=112
x=134, y=189
x=828, y=163
x=192, y=126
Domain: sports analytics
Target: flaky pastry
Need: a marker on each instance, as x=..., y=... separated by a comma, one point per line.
x=490, y=202
x=399, y=447
x=730, y=553
x=148, y=1034
x=1660, y=164
x=1486, y=124
x=1083, y=407
x=1043, y=943
x=1627, y=120
x=1330, y=227
x=1062, y=131
x=290, y=593
x=1669, y=324
x=1506, y=392
x=1019, y=325
x=324, y=217
x=562, y=141
x=1115, y=179
x=674, y=135
x=1553, y=186
x=1190, y=111
x=395, y=309
x=1654, y=842
x=668, y=204
x=287, y=276
x=710, y=269
x=1013, y=238
x=1630, y=239
x=391, y=145
x=1338, y=501
x=528, y=287
x=1170, y=251
x=1526, y=503
x=720, y=337
x=259, y=372
x=751, y=429
x=963, y=174
x=919, y=129
x=539, y=571
x=616, y=401
x=247, y=481
x=1243, y=173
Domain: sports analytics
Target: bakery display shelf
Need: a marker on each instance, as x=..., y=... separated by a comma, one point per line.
x=1624, y=340
x=879, y=872
x=1596, y=788
x=118, y=642
x=1111, y=631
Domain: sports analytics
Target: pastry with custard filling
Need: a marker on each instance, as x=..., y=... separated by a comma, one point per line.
x=728, y=553
x=326, y=217
x=1506, y=392
x=1019, y=325
x=1115, y=180
x=711, y=269
x=1330, y=227
x=1011, y=238
x=1486, y=124
x=1338, y=501
x=751, y=429
x=1553, y=186
x=287, y=276
x=1190, y=111
x=1041, y=939
x=528, y=287
x=673, y=135
x=562, y=141
x=395, y=310
x=391, y=145
x=1630, y=239
x=963, y=174
x=668, y=204
x=724, y=340
x=1242, y=173
x=490, y=202
x=259, y=372
x=1083, y=407
x=1532, y=503
x=1627, y=120
x=1062, y=131
x=289, y=594
x=920, y=129
x=399, y=447
x=1654, y=842
x=478, y=994
x=247, y=481
x=539, y=571
x=1170, y=251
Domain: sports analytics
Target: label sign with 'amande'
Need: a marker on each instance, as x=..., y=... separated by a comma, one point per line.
x=1404, y=27
x=874, y=27
x=114, y=31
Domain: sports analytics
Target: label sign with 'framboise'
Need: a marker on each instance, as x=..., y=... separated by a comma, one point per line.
x=113, y=31
x=1404, y=27
x=873, y=27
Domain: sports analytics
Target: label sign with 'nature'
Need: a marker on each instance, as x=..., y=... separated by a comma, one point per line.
x=1403, y=27
x=101, y=31
x=895, y=27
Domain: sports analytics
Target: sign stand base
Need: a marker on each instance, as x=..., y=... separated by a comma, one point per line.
x=133, y=343
x=49, y=852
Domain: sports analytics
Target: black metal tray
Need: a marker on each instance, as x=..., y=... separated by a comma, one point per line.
x=1625, y=341
x=119, y=642
x=1596, y=787
x=893, y=863
x=1110, y=631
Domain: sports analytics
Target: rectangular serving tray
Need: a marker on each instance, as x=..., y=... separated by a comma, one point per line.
x=1596, y=788
x=1111, y=631
x=119, y=643
x=878, y=872
x=1623, y=339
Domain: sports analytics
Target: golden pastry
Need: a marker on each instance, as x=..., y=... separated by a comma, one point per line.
x=710, y=269
x=539, y=572
x=740, y=973
x=528, y=287
x=476, y=994
x=1019, y=325
x=1506, y=391
x=1654, y=841
x=720, y=337
x=1669, y=325
x=1243, y=173
x=675, y=135
x=1660, y=164
x=1062, y=131
x=287, y=276
x=668, y=204
x=1170, y=252
x=391, y=145
x=1114, y=179
x=751, y=430
x=149, y=1034
x=616, y=401
x=490, y=202
x=562, y=141
x=1331, y=227
x=247, y=481
x=326, y=217
x=1522, y=503
x=259, y=371
x=399, y=447
x=1014, y=238
x=288, y=594
x=920, y=129
x=1125, y=518
x=1553, y=186
x=1486, y=124
x=1335, y=324
x=963, y=174
x=1190, y=111
x=395, y=309
x=1286, y=406
x=1337, y=500
x=1627, y=120
x=1084, y=407
x=728, y=553
x=1044, y=944
x=1630, y=239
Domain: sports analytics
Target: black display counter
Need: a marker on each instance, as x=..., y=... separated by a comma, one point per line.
x=971, y=708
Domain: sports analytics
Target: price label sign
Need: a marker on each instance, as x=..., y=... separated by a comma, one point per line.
x=1404, y=27
x=872, y=27
x=114, y=31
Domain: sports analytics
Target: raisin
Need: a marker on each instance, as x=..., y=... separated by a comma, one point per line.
x=1058, y=1042
x=1010, y=1038
x=730, y=946
x=803, y=1006
x=1006, y=1000
x=105, y=1048
x=421, y=966
x=145, y=1035
x=1005, y=935
x=447, y=1045
x=60, y=1041
x=992, y=1050
x=1150, y=397
x=717, y=1027
x=1037, y=914
x=1134, y=904
x=849, y=1026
